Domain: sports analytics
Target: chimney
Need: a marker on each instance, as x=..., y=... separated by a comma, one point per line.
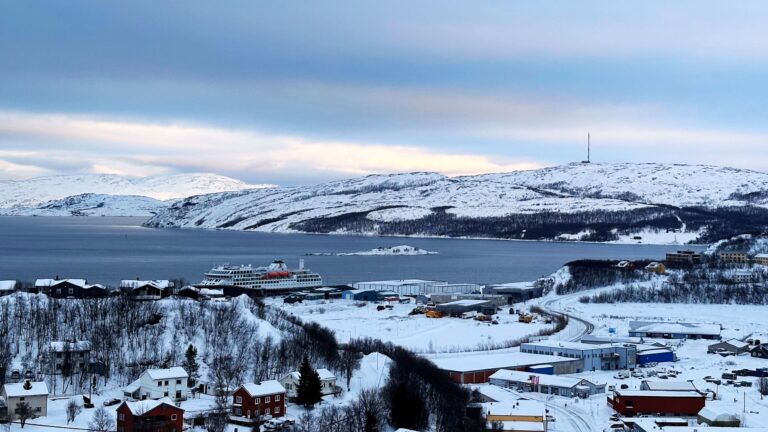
x=27, y=385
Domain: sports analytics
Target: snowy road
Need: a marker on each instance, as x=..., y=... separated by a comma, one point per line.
x=577, y=326
x=567, y=419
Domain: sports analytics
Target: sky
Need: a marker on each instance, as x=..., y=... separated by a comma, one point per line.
x=303, y=92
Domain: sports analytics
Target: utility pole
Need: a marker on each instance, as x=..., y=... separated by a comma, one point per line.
x=589, y=145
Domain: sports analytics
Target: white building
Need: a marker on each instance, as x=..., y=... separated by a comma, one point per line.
x=761, y=259
x=33, y=393
x=327, y=382
x=544, y=383
x=412, y=287
x=159, y=383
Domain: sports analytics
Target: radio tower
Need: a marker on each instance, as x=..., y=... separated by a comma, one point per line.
x=588, y=150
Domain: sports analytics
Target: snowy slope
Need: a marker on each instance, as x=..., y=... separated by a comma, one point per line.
x=382, y=199
x=93, y=205
x=34, y=192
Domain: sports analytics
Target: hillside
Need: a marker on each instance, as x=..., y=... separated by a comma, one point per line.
x=94, y=205
x=71, y=194
x=599, y=202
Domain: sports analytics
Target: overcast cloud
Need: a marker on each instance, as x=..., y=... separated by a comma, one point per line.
x=288, y=94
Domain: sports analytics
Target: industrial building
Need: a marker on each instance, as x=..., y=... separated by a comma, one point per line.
x=670, y=330
x=478, y=368
x=548, y=384
x=646, y=355
x=515, y=292
x=684, y=386
x=496, y=300
x=459, y=307
x=593, y=357
x=661, y=403
x=520, y=415
x=360, y=295
x=414, y=287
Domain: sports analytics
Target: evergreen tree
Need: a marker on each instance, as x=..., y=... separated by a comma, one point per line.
x=190, y=364
x=309, y=391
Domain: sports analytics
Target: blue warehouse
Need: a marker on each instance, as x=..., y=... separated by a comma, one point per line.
x=594, y=357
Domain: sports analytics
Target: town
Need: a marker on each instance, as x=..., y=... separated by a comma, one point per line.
x=538, y=362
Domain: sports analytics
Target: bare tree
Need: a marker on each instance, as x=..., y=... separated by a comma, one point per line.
x=763, y=387
x=101, y=421
x=24, y=412
x=73, y=409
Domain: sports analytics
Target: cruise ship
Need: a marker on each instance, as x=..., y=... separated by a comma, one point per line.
x=274, y=279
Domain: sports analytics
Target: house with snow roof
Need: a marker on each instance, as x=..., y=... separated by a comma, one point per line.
x=158, y=384
x=69, y=288
x=730, y=346
x=150, y=415
x=34, y=393
x=147, y=289
x=327, y=382
x=7, y=287
x=673, y=330
x=543, y=383
x=255, y=401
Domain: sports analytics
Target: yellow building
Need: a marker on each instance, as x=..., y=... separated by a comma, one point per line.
x=519, y=416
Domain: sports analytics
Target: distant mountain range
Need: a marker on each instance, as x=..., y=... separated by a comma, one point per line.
x=107, y=195
x=588, y=202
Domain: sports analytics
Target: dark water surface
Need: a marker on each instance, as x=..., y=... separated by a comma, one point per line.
x=105, y=250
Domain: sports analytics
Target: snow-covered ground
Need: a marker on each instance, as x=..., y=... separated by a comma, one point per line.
x=403, y=250
x=417, y=332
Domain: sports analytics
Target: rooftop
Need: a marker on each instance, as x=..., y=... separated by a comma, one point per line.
x=52, y=282
x=521, y=407
x=670, y=385
x=544, y=379
x=65, y=346
x=264, y=388
x=672, y=327
x=468, y=302
x=37, y=388
x=133, y=284
x=170, y=373
x=485, y=361
x=142, y=407
x=657, y=393
x=7, y=285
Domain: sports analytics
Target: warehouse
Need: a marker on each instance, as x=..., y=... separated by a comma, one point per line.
x=548, y=384
x=593, y=357
x=413, y=287
x=440, y=298
x=670, y=330
x=360, y=295
x=515, y=292
x=478, y=368
x=684, y=386
x=459, y=307
x=662, y=403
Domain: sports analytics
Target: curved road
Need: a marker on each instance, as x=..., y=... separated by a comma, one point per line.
x=585, y=327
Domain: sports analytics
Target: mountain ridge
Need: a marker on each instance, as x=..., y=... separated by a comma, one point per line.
x=594, y=201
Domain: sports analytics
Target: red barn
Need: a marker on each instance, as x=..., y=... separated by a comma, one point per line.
x=252, y=401
x=150, y=416
x=661, y=403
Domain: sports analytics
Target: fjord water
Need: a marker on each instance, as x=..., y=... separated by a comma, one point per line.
x=106, y=250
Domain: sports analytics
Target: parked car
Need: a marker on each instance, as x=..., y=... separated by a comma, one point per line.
x=113, y=401
x=624, y=386
x=728, y=376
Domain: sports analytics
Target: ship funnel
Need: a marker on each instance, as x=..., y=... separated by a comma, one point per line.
x=301, y=264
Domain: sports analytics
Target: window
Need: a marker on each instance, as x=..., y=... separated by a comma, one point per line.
x=37, y=409
x=238, y=399
x=257, y=401
x=266, y=411
x=173, y=417
x=159, y=383
x=165, y=394
x=121, y=416
x=277, y=398
x=166, y=382
x=71, y=290
x=266, y=399
x=58, y=290
x=277, y=410
x=21, y=399
x=178, y=381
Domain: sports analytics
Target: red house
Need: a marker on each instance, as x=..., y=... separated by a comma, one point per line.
x=250, y=402
x=659, y=403
x=150, y=416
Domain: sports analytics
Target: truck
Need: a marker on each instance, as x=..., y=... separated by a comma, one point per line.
x=525, y=318
x=433, y=314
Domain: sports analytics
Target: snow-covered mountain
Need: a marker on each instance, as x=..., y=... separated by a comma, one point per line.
x=24, y=196
x=94, y=205
x=609, y=199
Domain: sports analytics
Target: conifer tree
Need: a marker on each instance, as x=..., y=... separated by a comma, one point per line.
x=190, y=364
x=309, y=391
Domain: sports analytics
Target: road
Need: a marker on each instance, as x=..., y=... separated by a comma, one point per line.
x=583, y=326
x=567, y=419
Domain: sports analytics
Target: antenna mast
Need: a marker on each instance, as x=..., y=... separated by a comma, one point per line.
x=588, y=147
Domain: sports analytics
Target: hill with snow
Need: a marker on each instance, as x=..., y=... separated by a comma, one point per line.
x=113, y=194
x=599, y=202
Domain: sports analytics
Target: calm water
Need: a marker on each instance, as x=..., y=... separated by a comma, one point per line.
x=105, y=250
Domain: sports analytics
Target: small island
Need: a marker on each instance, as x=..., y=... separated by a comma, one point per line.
x=381, y=251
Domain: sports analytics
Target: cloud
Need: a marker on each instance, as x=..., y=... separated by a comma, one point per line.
x=136, y=148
